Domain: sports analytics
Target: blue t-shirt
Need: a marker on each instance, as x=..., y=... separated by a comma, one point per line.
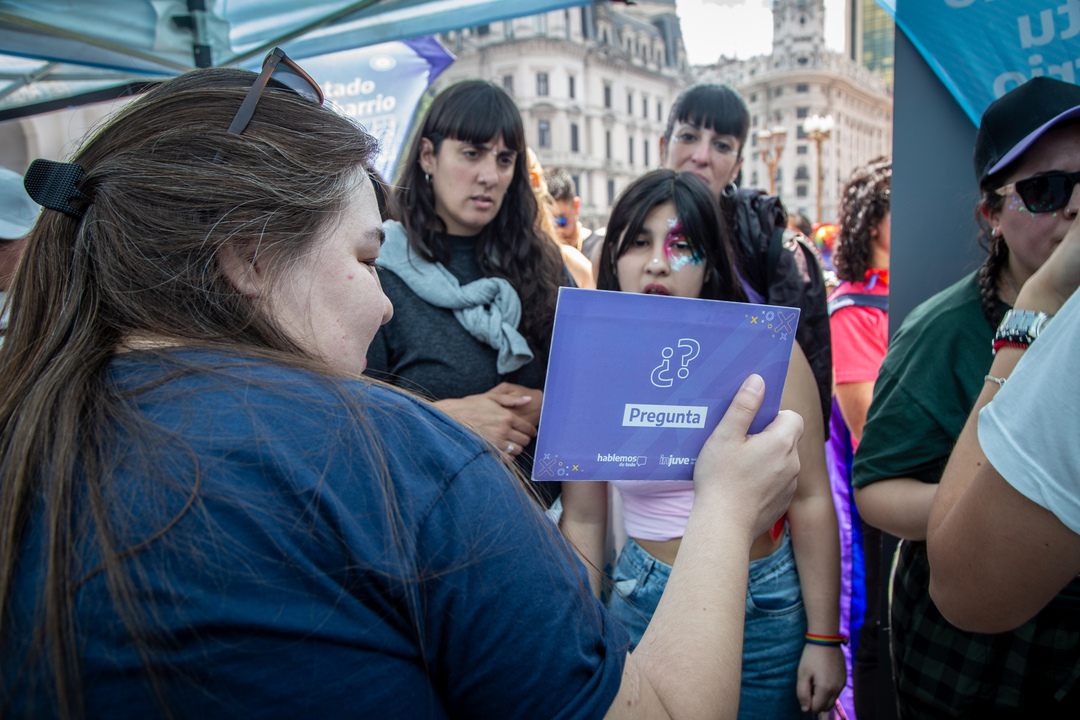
x=294, y=579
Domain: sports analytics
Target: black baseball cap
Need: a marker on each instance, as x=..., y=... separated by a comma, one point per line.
x=1018, y=118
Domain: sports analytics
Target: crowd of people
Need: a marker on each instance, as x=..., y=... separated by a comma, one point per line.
x=267, y=429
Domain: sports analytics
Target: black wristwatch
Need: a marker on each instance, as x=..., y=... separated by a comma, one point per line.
x=1019, y=328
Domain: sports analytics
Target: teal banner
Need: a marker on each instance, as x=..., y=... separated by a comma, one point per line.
x=981, y=49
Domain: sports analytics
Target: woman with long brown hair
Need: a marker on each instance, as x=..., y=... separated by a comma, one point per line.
x=205, y=511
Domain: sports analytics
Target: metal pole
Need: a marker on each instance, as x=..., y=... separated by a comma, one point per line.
x=820, y=137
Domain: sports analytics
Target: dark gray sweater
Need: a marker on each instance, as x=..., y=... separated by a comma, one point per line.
x=426, y=350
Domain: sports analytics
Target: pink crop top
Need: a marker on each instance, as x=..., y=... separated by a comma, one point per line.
x=656, y=510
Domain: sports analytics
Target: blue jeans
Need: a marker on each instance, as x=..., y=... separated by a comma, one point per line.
x=773, y=639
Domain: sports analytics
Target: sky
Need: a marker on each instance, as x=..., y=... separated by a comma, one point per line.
x=741, y=28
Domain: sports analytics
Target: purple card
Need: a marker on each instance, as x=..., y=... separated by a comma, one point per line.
x=636, y=383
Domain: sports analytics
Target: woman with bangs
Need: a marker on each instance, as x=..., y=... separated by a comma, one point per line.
x=474, y=278
x=664, y=238
x=706, y=134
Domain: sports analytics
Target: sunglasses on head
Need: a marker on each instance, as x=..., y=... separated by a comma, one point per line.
x=278, y=66
x=1044, y=193
x=561, y=221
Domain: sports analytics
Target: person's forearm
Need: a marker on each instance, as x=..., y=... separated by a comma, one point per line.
x=967, y=456
x=899, y=506
x=691, y=652
x=854, y=399
x=815, y=539
x=584, y=524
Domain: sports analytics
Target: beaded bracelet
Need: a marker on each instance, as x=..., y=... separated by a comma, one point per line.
x=828, y=640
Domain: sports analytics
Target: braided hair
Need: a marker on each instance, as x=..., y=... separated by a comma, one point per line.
x=997, y=257
x=864, y=204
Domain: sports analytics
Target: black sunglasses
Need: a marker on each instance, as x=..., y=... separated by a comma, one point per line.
x=278, y=66
x=1044, y=193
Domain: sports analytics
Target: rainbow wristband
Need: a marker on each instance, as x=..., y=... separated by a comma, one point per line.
x=828, y=640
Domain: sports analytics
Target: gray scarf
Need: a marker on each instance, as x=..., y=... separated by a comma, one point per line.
x=488, y=308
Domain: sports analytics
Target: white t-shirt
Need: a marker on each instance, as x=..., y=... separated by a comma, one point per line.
x=1030, y=432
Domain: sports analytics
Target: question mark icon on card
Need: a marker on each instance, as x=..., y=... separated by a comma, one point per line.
x=659, y=375
x=692, y=350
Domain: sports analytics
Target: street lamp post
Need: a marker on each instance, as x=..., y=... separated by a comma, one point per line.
x=819, y=129
x=772, y=146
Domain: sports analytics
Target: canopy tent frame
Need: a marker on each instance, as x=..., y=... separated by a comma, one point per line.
x=53, y=51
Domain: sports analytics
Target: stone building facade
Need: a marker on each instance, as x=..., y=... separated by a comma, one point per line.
x=798, y=80
x=594, y=85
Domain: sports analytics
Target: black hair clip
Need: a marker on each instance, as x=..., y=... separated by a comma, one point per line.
x=52, y=185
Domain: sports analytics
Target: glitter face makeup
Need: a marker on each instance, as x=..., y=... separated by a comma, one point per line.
x=679, y=248
x=661, y=260
x=1031, y=237
x=1017, y=205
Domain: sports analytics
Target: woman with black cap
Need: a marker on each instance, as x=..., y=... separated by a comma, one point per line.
x=935, y=368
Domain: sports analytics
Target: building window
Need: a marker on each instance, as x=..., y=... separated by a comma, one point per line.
x=508, y=84
x=607, y=96
x=574, y=138
x=802, y=88
x=800, y=133
x=542, y=84
x=482, y=30
x=629, y=103
x=659, y=112
x=777, y=92
x=572, y=88
x=610, y=192
x=801, y=191
x=630, y=148
x=802, y=173
x=577, y=184
x=779, y=175
x=544, y=132
x=645, y=107
x=541, y=24
x=753, y=179
x=753, y=97
x=645, y=151
x=607, y=144
x=753, y=139
x=802, y=112
x=802, y=150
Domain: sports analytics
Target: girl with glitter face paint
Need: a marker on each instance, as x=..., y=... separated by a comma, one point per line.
x=665, y=238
